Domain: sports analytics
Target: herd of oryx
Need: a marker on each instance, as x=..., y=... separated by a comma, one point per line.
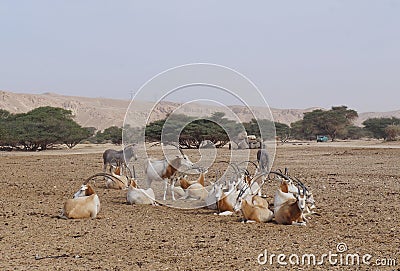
x=293, y=202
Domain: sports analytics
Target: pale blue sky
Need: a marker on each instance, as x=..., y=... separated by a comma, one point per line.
x=299, y=53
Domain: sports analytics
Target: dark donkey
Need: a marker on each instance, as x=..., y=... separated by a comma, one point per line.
x=263, y=159
x=113, y=157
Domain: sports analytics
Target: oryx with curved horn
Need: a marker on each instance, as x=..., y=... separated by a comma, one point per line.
x=164, y=169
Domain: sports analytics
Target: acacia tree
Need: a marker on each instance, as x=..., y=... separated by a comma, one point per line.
x=356, y=132
x=267, y=128
x=40, y=128
x=192, y=131
x=4, y=114
x=133, y=134
x=377, y=126
x=168, y=128
x=73, y=133
x=333, y=122
x=302, y=130
x=153, y=131
x=7, y=137
x=113, y=133
x=202, y=129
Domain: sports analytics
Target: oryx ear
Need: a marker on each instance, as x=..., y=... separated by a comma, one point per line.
x=89, y=190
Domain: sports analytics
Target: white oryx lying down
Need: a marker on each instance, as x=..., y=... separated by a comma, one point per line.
x=192, y=190
x=289, y=208
x=85, y=204
x=211, y=199
x=238, y=187
x=137, y=195
x=254, y=209
x=310, y=203
x=196, y=192
x=185, y=184
x=120, y=181
x=226, y=200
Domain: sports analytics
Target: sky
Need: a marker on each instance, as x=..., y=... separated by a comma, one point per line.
x=300, y=54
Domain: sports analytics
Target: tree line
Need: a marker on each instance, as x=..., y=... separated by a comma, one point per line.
x=336, y=123
x=44, y=127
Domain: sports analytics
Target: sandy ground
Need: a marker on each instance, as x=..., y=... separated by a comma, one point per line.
x=356, y=187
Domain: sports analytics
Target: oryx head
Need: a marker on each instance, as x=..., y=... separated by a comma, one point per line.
x=85, y=190
x=301, y=198
x=244, y=191
x=184, y=159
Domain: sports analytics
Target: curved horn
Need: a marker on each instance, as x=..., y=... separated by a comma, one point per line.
x=233, y=165
x=245, y=171
x=241, y=192
x=130, y=171
x=101, y=174
x=301, y=183
x=178, y=147
x=280, y=174
x=217, y=172
x=248, y=161
x=260, y=175
x=237, y=167
x=155, y=144
x=304, y=189
x=256, y=177
x=134, y=171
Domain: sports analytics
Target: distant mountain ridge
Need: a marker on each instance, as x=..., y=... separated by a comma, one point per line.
x=105, y=112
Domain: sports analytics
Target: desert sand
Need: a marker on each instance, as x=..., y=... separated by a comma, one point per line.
x=356, y=187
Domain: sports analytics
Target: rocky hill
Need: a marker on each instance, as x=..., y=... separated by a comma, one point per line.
x=104, y=112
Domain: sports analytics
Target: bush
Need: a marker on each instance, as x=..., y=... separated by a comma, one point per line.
x=392, y=132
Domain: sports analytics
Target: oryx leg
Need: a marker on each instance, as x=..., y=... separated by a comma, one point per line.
x=165, y=188
x=104, y=171
x=172, y=187
x=299, y=223
x=148, y=182
x=226, y=213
